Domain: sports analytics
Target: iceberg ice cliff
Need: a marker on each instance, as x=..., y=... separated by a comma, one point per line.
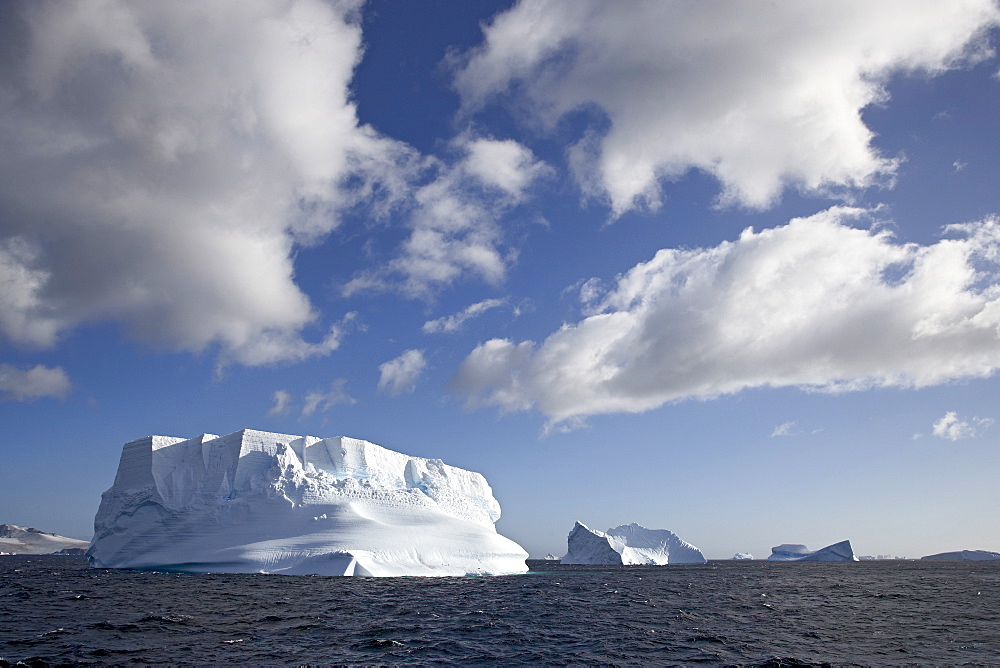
x=629, y=544
x=841, y=551
x=253, y=501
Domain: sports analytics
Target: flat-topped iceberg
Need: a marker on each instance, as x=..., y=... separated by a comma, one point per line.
x=964, y=555
x=629, y=544
x=743, y=556
x=841, y=551
x=253, y=501
x=16, y=539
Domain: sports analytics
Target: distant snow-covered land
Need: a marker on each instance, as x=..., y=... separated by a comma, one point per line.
x=16, y=539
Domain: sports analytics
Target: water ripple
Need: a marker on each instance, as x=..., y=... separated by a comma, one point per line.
x=55, y=610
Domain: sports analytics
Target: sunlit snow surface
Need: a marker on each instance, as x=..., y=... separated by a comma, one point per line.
x=16, y=539
x=841, y=551
x=253, y=501
x=629, y=544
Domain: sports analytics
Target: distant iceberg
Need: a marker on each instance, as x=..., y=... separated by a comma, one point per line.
x=16, y=539
x=254, y=501
x=964, y=555
x=841, y=551
x=629, y=544
x=743, y=556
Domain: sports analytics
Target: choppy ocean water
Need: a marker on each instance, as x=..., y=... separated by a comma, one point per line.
x=57, y=610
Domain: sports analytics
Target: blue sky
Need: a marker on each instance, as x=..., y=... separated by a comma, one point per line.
x=726, y=269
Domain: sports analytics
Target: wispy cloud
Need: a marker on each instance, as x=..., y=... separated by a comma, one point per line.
x=325, y=400
x=816, y=304
x=954, y=428
x=400, y=375
x=784, y=429
x=453, y=323
x=33, y=383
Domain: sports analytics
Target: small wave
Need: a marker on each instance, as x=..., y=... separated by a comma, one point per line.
x=104, y=651
x=38, y=639
x=108, y=626
x=304, y=627
x=169, y=619
x=379, y=643
x=786, y=662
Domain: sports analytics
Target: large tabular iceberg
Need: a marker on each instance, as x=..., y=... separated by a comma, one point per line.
x=253, y=501
x=629, y=544
x=964, y=555
x=841, y=551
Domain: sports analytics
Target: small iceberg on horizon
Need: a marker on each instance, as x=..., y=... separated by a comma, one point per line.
x=841, y=551
x=742, y=556
x=628, y=545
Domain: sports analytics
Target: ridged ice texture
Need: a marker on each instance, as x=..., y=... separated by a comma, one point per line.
x=255, y=501
x=841, y=551
x=629, y=544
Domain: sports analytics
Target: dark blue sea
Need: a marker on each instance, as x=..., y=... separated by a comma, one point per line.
x=57, y=610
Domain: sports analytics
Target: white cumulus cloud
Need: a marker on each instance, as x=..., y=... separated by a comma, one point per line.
x=760, y=95
x=504, y=165
x=816, y=303
x=955, y=428
x=34, y=383
x=162, y=161
x=453, y=220
x=400, y=375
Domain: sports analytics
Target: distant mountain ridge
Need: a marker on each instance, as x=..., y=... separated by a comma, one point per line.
x=17, y=539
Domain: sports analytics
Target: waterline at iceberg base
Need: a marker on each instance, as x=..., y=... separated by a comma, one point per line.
x=254, y=501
